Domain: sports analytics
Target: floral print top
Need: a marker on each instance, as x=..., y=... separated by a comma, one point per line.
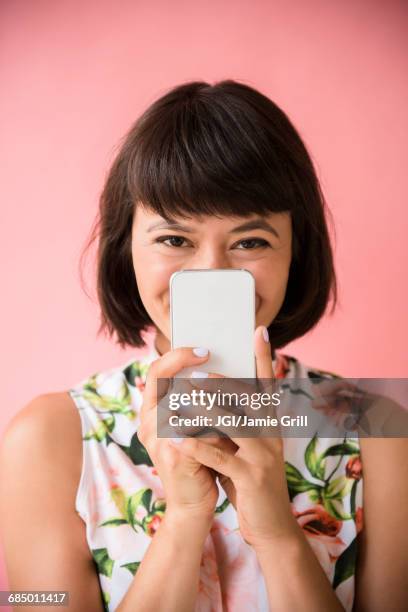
x=121, y=500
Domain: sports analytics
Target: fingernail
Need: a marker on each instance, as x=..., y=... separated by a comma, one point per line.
x=176, y=440
x=199, y=374
x=265, y=333
x=200, y=351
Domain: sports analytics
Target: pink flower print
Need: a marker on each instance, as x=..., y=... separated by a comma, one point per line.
x=359, y=519
x=354, y=468
x=113, y=471
x=152, y=522
x=140, y=383
x=238, y=568
x=282, y=366
x=317, y=520
x=321, y=530
x=209, y=591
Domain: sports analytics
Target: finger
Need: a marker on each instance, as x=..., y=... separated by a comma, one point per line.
x=252, y=401
x=212, y=457
x=229, y=488
x=267, y=383
x=232, y=426
x=248, y=402
x=225, y=444
x=263, y=354
x=167, y=366
x=228, y=393
x=210, y=382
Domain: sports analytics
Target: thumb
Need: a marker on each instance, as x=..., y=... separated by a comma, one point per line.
x=229, y=489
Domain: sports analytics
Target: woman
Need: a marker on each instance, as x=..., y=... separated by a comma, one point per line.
x=94, y=503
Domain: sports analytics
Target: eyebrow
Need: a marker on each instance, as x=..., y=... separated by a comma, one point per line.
x=248, y=225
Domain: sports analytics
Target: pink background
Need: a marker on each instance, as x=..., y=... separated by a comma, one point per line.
x=76, y=74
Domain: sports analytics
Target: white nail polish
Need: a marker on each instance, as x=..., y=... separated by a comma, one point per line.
x=199, y=374
x=200, y=351
x=265, y=334
x=176, y=440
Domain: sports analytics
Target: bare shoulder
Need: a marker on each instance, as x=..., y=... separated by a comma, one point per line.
x=48, y=426
x=382, y=456
x=40, y=468
x=38, y=411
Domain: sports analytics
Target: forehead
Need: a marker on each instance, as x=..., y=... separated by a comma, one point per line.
x=148, y=220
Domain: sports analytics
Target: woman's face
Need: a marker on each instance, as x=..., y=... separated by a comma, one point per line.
x=206, y=241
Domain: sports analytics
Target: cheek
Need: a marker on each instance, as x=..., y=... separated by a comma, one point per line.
x=271, y=284
x=152, y=273
x=271, y=281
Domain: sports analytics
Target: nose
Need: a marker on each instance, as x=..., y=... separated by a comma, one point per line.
x=211, y=260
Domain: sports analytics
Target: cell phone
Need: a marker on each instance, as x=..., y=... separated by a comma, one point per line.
x=215, y=308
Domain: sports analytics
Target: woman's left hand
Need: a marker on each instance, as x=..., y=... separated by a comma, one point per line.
x=254, y=476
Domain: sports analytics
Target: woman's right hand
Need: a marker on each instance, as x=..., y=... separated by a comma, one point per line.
x=189, y=486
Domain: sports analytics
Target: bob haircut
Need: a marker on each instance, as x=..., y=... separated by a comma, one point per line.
x=222, y=149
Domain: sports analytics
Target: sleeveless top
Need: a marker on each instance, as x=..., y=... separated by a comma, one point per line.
x=121, y=500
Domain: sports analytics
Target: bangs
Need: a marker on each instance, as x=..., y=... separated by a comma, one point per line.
x=209, y=155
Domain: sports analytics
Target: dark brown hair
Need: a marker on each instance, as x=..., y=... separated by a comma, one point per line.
x=223, y=149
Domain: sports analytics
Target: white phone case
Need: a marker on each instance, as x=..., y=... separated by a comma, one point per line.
x=215, y=308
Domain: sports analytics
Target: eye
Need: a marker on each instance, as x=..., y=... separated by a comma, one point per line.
x=163, y=239
x=264, y=243
x=261, y=243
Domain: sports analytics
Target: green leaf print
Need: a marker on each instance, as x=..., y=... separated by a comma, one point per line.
x=346, y=448
x=336, y=509
x=142, y=497
x=313, y=461
x=147, y=499
x=333, y=494
x=315, y=495
x=109, y=403
x=129, y=507
x=297, y=483
x=338, y=488
x=222, y=506
x=135, y=369
x=106, y=599
x=103, y=561
x=120, y=404
x=115, y=522
x=353, y=498
x=316, y=464
x=104, y=427
x=341, y=450
x=124, y=394
x=159, y=504
x=120, y=500
x=345, y=564
x=132, y=567
x=137, y=452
